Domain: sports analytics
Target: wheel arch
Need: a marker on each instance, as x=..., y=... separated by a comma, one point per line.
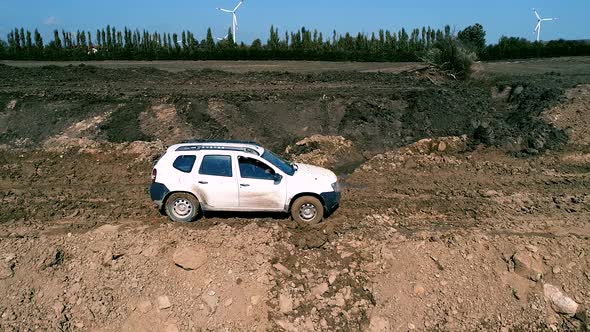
x=294, y=198
x=165, y=200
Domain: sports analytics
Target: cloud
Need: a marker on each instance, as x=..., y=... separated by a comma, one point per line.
x=51, y=20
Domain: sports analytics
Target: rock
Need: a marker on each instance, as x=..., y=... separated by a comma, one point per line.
x=442, y=146
x=189, y=258
x=320, y=289
x=106, y=229
x=339, y=300
x=490, y=193
x=211, y=301
x=6, y=270
x=518, y=293
x=254, y=300
x=164, y=302
x=286, y=326
x=411, y=326
x=151, y=251
x=57, y=258
x=332, y=276
x=171, y=328
x=556, y=270
x=285, y=303
x=423, y=146
x=228, y=302
x=531, y=248
x=10, y=257
x=419, y=290
x=282, y=268
x=144, y=306
x=11, y=104
x=313, y=240
x=560, y=302
x=528, y=266
x=345, y=254
x=58, y=308
x=519, y=285
x=378, y=324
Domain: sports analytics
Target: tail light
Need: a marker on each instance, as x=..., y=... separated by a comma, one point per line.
x=154, y=174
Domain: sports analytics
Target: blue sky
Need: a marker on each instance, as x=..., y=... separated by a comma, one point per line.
x=499, y=17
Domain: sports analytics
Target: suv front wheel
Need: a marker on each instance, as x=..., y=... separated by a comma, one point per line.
x=307, y=209
x=182, y=207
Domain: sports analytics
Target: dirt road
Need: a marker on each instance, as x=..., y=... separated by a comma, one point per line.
x=465, y=204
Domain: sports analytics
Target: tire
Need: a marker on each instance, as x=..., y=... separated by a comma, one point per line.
x=307, y=210
x=182, y=207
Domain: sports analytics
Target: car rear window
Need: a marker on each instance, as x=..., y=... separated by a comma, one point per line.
x=184, y=163
x=216, y=165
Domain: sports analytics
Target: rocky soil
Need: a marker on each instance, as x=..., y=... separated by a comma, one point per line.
x=478, y=222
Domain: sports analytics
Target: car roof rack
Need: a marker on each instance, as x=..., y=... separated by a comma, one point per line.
x=193, y=141
x=216, y=147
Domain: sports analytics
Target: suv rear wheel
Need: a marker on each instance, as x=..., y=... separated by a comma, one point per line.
x=182, y=207
x=307, y=209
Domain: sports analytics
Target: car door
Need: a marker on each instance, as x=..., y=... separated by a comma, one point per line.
x=261, y=186
x=216, y=181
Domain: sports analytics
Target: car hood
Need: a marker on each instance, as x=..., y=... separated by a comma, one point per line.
x=319, y=173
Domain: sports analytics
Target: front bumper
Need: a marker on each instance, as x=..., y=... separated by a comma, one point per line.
x=331, y=200
x=158, y=193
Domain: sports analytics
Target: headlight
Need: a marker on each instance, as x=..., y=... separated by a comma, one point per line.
x=336, y=186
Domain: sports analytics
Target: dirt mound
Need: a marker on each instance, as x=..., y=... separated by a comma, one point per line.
x=334, y=152
x=573, y=115
x=376, y=111
x=162, y=122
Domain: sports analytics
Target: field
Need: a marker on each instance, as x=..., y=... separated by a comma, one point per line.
x=465, y=203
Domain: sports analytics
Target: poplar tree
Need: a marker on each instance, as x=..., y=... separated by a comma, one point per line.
x=29, y=39
x=98, y=37
x=38, y=40
x=17, y=39
x=109, y=41
x=56, y=40
x=209, y=42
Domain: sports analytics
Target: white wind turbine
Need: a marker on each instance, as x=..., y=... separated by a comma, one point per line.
x=539, y=20
x=234, y=18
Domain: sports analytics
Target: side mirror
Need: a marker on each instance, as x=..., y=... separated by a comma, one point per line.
x=277, y=178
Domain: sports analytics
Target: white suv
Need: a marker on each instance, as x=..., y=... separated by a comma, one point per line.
x=239, y=176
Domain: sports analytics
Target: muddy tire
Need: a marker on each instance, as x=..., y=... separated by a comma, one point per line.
x=182, y=207
x=307, y=210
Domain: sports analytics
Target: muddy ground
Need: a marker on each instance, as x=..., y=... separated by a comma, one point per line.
x=465, y=204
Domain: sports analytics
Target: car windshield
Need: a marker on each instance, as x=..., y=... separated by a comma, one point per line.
x=284, y=166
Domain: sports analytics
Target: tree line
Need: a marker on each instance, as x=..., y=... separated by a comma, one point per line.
x=110, y=43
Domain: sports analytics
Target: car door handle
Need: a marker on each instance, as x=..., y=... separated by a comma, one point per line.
x=203, y=182
x=244, y=185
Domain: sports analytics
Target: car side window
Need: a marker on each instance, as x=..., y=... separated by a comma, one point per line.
x=216, y=165
x=254, y=169
x=184, y=163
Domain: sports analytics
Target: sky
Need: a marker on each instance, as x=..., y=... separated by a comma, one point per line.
x=512, y=18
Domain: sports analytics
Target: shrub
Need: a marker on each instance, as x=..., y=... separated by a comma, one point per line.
x=449, y=56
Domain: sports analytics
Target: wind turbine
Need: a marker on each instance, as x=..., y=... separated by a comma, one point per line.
x=234, y=18
x=539, y=20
